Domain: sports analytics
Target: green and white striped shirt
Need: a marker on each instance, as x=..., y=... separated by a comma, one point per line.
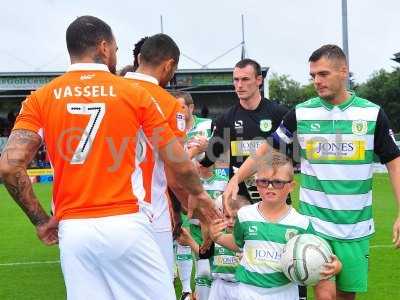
x=224, y=263
x=337, y=148
x=263, y=243
x=201, y=127
x=214, y=186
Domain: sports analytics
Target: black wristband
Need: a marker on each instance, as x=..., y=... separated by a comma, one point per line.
x=209, y=253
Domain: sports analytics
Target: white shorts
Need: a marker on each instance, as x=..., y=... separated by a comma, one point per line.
x=113, y=258
x=165, y=243
x=223, y=290
x=249, y=292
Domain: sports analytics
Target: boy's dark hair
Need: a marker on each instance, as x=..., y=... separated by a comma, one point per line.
x=159, y=48
x=85, y=33
x=246, y=62
x=331, y=52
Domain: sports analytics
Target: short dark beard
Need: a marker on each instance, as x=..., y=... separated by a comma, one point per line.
x=99, y=60
x=328, y=98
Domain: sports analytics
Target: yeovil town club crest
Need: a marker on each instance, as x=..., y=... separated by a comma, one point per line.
x=290, y=233
x=359, y=127
x=265, y=125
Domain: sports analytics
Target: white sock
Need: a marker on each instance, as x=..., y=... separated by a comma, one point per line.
x=203, y=288
x=203, y=279
x=203, y=268
x=184, y=261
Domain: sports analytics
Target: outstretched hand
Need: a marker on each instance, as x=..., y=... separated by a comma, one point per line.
x=216, y=229
x=230, y=194
x=202, y=207
x=184, y=237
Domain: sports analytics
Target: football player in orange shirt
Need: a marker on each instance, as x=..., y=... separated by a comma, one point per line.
x=155, y=61
x=90, y=120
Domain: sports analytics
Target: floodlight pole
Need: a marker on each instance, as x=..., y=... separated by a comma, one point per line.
x=243, y=42
x=161, y=24
x=345, y=37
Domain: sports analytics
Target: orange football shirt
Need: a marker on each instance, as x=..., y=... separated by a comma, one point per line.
x=90, y=120
x=154, y=179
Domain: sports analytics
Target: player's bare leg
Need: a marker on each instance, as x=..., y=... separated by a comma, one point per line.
x=345, y=295
x=325, y=290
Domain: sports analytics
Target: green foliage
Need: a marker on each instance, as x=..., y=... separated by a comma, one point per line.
x=307, y=92
x=383, y=88
x=289, y=91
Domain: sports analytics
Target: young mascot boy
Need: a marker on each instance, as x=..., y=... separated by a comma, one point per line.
x=262, y=230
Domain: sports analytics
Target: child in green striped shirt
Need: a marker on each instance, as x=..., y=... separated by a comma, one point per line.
x=223, y=260
x=262, y=230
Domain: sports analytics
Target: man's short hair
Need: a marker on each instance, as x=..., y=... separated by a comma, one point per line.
x=85, y=33
x=159, y=48
x=184, y=95
x=331, y=52
x=246, y=62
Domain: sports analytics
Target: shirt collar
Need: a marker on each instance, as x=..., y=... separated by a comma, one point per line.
x=342, y=106
x=87, y=67
x=140, y=76
x=195, y=119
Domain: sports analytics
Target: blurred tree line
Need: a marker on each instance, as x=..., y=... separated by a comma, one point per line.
x=382, y=88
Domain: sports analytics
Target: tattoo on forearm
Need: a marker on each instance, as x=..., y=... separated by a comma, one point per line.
x=22, y=145
x=20, y=188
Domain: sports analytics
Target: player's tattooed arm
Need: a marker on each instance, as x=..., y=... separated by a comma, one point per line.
x=21, y=147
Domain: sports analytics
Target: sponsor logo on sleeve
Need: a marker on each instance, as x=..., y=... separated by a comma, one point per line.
x=180, y=122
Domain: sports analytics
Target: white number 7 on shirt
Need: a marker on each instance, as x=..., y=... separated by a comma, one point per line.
x=96, y=112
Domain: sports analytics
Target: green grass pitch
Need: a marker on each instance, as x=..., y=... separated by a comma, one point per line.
x=29, y=270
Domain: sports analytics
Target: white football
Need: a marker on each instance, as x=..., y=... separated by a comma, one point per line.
x=303, y=258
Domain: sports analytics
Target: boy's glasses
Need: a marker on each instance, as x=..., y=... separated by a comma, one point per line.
x=276, y=184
